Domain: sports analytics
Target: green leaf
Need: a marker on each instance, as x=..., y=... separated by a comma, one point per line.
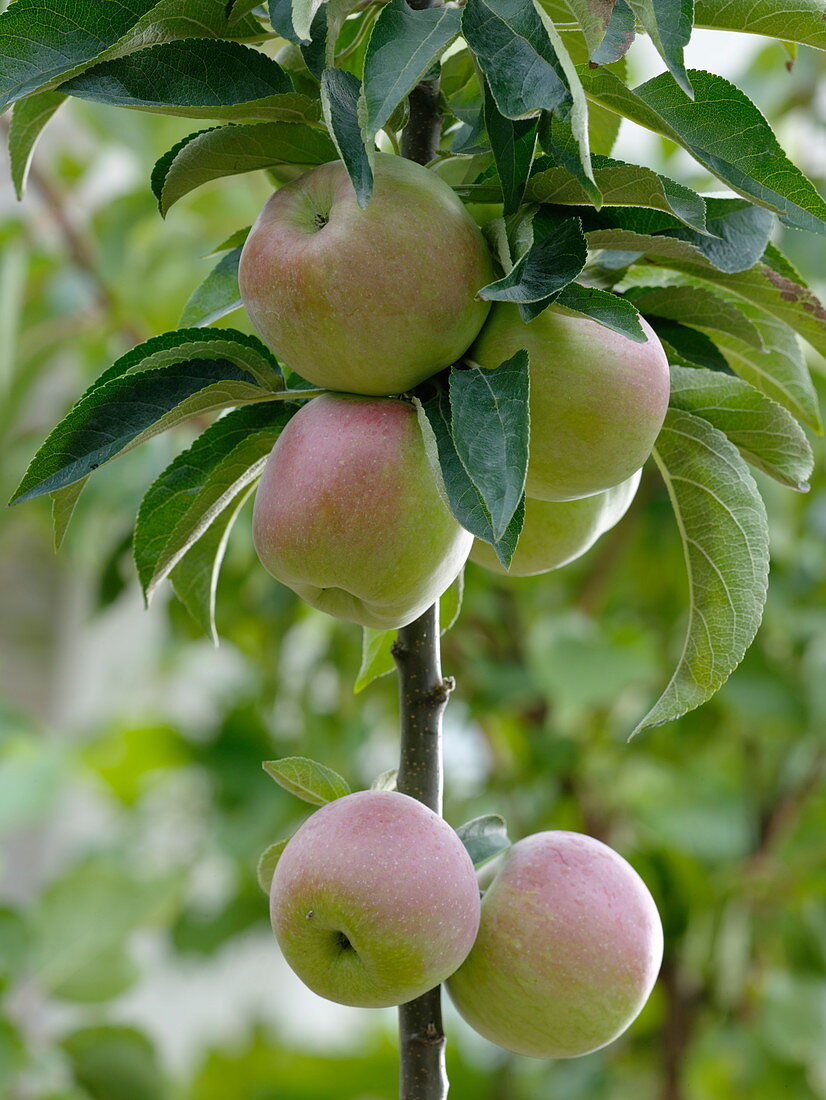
x=198, y=78
x=109, y=1062
x=620, y=185
x=377, y=645
x=307, y=779
x=64, y=502
x=515, y=53
x=404, y=44
x=723, y=131
x=200, y=483
x=268, y=862
x=340, y=95
x=698, y=307
x=513, y=144
x=43, y=42
x=234, y=240
x=593, y=16
x=125, y=412
x=765, y=434
x=230, y=150
x=217, y=295
x=722, y=522
x=688, y=347
x=785, y=300
x=607, y=309
x=801, y=22
x=29, y=117
x=303, y=14
x=669, y=24
x=108, y=975
x=484, y=837
x=489, y=412
x=543, y=270
x=195, y=578
x=461, y=494
x=619, y=35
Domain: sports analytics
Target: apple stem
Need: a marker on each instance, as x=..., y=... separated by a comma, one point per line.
x=423, y=695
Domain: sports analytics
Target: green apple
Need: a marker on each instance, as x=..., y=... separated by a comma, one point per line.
x=367, y=301
x=558, y=531
x=348, y=513
x=569, y=947
x=598, y=400
x=374, y=900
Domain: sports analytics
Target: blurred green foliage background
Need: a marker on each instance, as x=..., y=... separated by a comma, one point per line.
x=136, y=961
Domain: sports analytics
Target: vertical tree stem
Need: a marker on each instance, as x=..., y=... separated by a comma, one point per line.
x=423, y=694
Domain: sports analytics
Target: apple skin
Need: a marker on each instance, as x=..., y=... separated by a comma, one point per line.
x=598, y=400
x=557, y=532
x=348, y=513
x=367, y=301
x=374, y=900
x=569, y=947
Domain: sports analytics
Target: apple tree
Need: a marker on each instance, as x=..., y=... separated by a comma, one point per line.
x=476, y=325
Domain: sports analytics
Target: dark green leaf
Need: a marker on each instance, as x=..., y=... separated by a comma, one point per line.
x=515, y=53
x=620, y=185
x=45, y=41
x=307, y=779
x=340, y=93
x=231, y=150
x=120, y=414
x=195, y=577
x=489, y=411
x=513, y=144
x=484, y=838
x=544, y=269
x=217, y=295
x=404, y=44
x=608, y=309
x=669, y=23
x=724, y=131
x=462, y=495
x=200, y=483
x=198, y=78
x=281, y=18
x=722, y=522
x=765, y=434
x=688, y=346
x=618, y=37
x=28, y=119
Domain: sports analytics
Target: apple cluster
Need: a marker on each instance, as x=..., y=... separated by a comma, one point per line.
x=555, y=961
x=370, y=303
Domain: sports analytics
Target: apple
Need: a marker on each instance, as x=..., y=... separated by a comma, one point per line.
x=348, y=513
x=569, y=947
x=558, y=531
x=367, y=301
x=374, y=900
x=598, y=400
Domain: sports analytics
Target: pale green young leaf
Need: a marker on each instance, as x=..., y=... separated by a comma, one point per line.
x=64, y=502
x=195, y=577
x=268, y=862
x=387, y=781
x=28, y=118
x=764, y=433
x=722, y=522
x=307, y=779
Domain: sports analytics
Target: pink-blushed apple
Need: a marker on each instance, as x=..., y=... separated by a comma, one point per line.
x=557, y=532
x=569, y=947
x=374, y=900
x=598, y=399
x=369, y=301
x=349, y=515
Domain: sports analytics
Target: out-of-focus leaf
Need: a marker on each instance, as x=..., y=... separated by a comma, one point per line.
x=484, y=838
x=29, y=117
